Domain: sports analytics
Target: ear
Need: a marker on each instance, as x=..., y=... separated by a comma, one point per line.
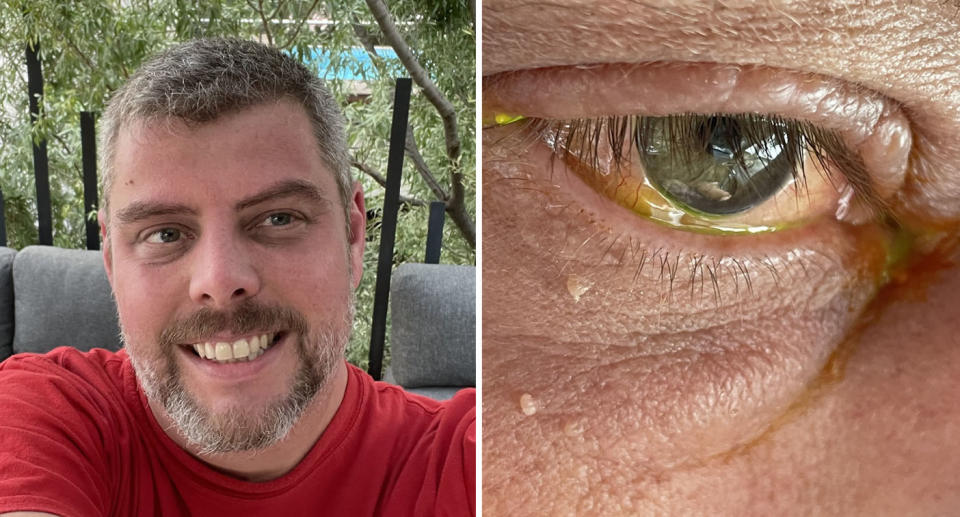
x=358, y=232
x=105, y=244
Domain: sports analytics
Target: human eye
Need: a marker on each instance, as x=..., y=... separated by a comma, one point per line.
x=714, y=173
x=278, y=224
x=278, y=219
x=163, y=236
x=721, y=166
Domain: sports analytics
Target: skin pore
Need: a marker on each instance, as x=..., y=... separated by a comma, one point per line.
x=632, y=368
x=213, y=217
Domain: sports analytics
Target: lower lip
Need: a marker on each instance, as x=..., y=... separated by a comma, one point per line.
x=239, y=370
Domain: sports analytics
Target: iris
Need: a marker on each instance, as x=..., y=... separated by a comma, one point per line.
x=717, y=165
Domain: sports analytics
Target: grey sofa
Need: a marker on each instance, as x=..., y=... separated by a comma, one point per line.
x=52, y=297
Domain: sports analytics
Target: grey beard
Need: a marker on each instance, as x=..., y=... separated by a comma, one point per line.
x=237, y=430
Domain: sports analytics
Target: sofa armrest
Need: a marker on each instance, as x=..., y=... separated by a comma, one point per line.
x=433, y=325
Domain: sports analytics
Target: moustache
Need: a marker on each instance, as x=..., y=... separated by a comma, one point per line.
x=247, y=317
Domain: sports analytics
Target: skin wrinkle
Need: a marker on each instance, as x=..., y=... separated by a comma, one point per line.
x=810, y=465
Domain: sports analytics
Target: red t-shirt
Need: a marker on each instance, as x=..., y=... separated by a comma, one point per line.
x=78, y=439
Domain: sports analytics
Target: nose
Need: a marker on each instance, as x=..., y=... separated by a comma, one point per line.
x=223, y=272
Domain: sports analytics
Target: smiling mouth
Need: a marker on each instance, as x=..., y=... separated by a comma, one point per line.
x=241, y=350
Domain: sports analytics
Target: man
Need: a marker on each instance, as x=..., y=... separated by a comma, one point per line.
x=233, y=240
x=634, y=367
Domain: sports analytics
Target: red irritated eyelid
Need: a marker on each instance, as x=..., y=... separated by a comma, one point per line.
x=871, y=125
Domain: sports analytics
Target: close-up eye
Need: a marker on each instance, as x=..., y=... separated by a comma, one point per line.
x=716, y=173
x=720, y=258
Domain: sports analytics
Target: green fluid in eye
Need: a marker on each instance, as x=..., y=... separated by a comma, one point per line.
x=502, y=119
x=651, y=204
x=733, y=165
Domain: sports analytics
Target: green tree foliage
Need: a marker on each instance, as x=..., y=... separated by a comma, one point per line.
x=89, y=47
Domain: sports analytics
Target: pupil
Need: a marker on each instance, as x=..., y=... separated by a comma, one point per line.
x=716, y=165
x=169, y=235
x=281, y=219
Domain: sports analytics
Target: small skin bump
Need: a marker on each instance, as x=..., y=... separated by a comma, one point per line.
x=573, y=428
x=528, y=404
x=577, y=286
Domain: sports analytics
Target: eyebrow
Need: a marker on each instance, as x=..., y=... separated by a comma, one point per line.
x=286, y=188
x=140, y=210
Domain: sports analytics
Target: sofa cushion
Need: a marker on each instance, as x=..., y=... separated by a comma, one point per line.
x=432, y=325
x=62, y=298
x=6, y=301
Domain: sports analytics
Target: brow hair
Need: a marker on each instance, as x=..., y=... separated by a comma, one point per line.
x=286, y=188
x=140, y=210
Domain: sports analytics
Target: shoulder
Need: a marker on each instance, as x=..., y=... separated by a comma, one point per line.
x=387, y=400
x=63, y=368
x=63, y=415
x=433, y=452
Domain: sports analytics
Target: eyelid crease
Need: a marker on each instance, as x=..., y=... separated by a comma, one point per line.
x=872, y=127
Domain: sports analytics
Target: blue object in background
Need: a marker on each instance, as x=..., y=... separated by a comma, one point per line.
x=359, y=59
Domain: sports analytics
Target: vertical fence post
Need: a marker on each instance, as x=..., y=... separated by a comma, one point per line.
x=3, y=221
x=41, y=171
x=435, y=232
x=88, y=144
x=388, y=225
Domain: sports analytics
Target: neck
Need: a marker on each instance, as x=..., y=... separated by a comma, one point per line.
x=280, y=458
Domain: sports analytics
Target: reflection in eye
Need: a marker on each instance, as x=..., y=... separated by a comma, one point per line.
x=719, y=165
x=709, y=173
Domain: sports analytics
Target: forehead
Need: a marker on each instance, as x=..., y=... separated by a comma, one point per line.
x=231, y=156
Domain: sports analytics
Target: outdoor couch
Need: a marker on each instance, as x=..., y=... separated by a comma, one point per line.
x=52, y=297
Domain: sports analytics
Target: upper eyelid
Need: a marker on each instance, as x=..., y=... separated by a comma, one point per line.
x=659, y=89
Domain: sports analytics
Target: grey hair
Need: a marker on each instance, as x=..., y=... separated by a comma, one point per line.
x=201, y=80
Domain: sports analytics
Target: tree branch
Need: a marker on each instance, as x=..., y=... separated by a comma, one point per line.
x=455, y=203
x=263, y=18
x=420, y=76
x=366, y=169
x=413, y=152
x=301, y=19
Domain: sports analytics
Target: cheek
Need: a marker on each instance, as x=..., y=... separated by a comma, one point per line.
x=639, y=341
x=316, y=281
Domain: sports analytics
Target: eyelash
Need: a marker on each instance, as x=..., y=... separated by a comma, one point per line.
x=581, y=140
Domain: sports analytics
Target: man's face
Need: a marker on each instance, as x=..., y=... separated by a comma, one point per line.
x=676, y=373
x=230, y=235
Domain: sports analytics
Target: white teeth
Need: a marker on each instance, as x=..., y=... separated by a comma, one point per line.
x=240, y=350
x=224, y=351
